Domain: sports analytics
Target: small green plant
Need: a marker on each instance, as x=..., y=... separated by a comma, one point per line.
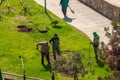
x=71, y=65
x=114, y=23
x=112, y=56
x=25, y=7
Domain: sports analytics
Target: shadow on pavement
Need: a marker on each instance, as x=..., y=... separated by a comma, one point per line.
x=68, y=19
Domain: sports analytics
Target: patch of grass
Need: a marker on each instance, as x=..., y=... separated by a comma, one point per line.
x=14, y=43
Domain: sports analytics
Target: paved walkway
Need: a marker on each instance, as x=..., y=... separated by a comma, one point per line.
x=114, y=2
x=84, y=19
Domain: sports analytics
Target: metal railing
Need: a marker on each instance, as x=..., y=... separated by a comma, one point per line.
x=12, y=76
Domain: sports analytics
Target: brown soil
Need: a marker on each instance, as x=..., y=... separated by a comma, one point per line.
x=20, y=18
x=23, y=28
x=65, y=73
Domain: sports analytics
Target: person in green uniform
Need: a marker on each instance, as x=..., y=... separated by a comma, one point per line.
x=1, y=75
x=95, y=44
x=64, y=5
x=54, y=41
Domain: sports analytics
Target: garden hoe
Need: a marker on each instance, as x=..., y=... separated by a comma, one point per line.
x=90, y=61
x=71, y=10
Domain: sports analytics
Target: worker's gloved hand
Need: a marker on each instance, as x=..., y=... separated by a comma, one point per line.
x=51, y=44
x=37, y=48
x=91, y=42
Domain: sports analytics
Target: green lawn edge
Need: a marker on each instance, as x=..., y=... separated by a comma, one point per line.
x=14, y=43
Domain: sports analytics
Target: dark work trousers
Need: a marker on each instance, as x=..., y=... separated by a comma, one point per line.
x=64, y=10
x=47, y=57
x=56, y=48
x=96, y=52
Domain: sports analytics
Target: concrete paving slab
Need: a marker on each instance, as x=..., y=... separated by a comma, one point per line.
x=114, y=2
x=85, y=19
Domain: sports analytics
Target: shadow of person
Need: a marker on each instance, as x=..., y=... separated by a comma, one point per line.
x=47, y=67
x=100, y=63
x=57, y=27
x=68, y=19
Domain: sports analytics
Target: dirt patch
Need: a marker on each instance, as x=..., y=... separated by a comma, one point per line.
x=8, y=79
x=65, y=73
x=8, y=10
x=43, y=30
x=23, y=28
x=20, y=18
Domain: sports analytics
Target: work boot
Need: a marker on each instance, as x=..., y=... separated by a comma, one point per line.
x=43, y=64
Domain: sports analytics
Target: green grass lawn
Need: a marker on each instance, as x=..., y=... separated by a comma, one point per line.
x=14, y=43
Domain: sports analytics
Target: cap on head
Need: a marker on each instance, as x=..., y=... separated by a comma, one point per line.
x=46, y=42
x=55, y=34
x=94, y=33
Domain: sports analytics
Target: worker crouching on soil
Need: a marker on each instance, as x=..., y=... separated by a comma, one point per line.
x=44, y=51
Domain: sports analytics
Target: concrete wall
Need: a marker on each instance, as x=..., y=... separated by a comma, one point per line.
x=105, y=8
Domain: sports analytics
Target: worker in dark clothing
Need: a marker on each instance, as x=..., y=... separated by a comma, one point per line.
x=44, y=51
x=95, y=44
x=54, y=41
x=64, y=5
